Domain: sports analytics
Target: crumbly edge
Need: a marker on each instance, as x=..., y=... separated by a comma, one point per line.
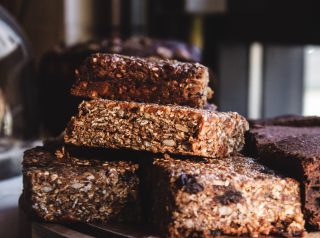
x=155, y=128
x=124, y=78
x=63, y=192
x=205, y=207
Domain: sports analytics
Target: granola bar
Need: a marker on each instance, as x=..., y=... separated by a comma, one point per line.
x=233, y=196
x=296, y=153
x=56, y=71
x=156, y=128
x=125, y=78
x=68, y=189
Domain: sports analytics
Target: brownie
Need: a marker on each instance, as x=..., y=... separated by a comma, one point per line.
x=232, y=196
x=299, y=157
x=288, y=120
x=56, y=71
x=156, y=128
x=69, y=189
x=259, y=136
x=125, y=78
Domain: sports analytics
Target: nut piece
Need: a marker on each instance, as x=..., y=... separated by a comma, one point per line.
x=169, y=142
x=182, y=128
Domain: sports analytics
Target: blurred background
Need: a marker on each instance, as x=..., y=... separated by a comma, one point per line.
x=264, y=56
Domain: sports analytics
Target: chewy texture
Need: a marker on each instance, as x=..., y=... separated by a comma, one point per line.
x=233, y=196
x=156, y=128
x=67, y=189
x=296, y=155
x=126, y=78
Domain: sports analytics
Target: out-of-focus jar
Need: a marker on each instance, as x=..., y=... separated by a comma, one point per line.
x=18, y=109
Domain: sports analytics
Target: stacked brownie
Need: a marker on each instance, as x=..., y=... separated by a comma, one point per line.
x=291, y=145
x=143, y=139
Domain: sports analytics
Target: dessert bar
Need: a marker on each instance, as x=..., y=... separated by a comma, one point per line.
x=233, y=196
x=288, y=120
x=68, y=189
x=152, y=80
x=156, y=128
x=299, y=157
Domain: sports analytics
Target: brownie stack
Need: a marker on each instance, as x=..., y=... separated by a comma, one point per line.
x=143, y=140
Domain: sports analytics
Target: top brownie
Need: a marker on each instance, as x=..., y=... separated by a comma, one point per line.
x=125, y=78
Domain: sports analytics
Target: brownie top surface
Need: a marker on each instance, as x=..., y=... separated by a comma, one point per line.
x=44, y=157
x=232, y=168
x=304, y=147
x=288, y=120
x=269, y=134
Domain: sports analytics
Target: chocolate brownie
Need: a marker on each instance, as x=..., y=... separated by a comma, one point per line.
x=299, y=157
x=259, y=136
x=295, y=152
x=119, y=77
x=232, y=196
x=156, y=128
x=62, y=188
x=288, y=120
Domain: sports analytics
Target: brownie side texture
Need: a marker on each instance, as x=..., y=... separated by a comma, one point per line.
x=156, y=128
x=68, y=189
x=299, y=157
x=125, y=78
x=233, y=196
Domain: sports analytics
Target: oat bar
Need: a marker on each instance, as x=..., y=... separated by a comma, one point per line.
x=68, y=189
x=125, y=78
x=233, y=196
x=156, y=128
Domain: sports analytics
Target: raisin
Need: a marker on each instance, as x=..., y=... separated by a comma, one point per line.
x=230, y=196
x=189, y=184
x=182, y=180
x=217, y=232
x=134, y=109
